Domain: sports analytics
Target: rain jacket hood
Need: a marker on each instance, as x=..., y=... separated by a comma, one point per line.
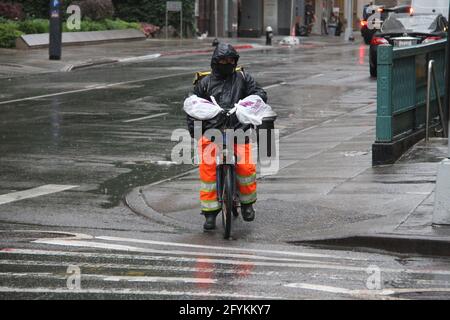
x=223, y=50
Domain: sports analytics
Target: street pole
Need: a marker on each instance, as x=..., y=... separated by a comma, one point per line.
x=292, y=17
x=167, y=24
x=55, y=35
x=349, y=14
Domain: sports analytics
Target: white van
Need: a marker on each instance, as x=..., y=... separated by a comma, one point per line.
x=430, y=7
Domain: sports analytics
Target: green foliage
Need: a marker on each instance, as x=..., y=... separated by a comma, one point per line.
x=118, y=24
x=8, y=34
x=89, y=25
x=34, y=26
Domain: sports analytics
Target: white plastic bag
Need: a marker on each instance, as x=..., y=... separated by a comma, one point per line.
x=201, y=109
x=252, y=110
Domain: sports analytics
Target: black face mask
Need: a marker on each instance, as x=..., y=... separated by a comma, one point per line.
x=225, y=70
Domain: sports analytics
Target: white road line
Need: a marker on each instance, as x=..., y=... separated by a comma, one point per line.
x=108, y=278
x=188, y=245
x=94, y=88
x=229, y=281
x=319, y=288
x=366, y=293
x=156, y=279
x=148, y=117
x=200, y=259
x=35, y=192
x=141, y=58
x=107, y=246
x=136, y=292
x=85, y=113
x=274, y=85
x=165, y=268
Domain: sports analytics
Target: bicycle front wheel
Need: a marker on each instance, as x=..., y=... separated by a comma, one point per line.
x=228, y=201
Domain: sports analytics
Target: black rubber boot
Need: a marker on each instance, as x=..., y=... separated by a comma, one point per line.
x=210, y=221
x=248, y=213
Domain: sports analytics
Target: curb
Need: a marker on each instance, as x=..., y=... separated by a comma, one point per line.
x=394, y=243
x=72, y=67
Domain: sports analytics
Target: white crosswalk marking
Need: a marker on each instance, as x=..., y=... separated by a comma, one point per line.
x=125, y=267
x=32, y=193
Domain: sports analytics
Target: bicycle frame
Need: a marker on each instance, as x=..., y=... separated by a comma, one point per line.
x=222, y=167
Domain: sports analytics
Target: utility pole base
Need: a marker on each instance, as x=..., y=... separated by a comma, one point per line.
x=349, y=35
x=441, y=214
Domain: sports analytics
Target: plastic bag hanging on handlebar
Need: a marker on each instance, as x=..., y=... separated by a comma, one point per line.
x=252, y=110
x=201, y=109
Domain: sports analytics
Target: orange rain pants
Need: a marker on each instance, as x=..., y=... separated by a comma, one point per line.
x=245, y=174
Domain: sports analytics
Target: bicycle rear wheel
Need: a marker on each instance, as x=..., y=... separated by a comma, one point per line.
x=228, y=201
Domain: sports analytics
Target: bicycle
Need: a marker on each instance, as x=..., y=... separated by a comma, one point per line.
x=226, y=181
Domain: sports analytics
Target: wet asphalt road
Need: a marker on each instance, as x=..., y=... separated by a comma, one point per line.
x=84, y=129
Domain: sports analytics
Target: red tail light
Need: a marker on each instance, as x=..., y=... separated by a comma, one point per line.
x=411, y=11
x=376, y=41
x=431, y=39
x=364, y=23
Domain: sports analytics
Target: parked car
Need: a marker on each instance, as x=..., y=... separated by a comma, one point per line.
x=370, y=26
x=403, y=29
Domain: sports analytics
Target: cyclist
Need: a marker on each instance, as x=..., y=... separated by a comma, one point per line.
x=227, y=86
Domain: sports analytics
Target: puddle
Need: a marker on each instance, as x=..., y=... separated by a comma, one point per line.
x=383, y=244
x=140, y=174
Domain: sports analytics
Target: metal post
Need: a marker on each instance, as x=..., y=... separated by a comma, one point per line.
x=441, y=110
x=181, y=23
x=349, y=13
x=427, y=123
x=55, y=34
x=292, y=16
x=167, y=24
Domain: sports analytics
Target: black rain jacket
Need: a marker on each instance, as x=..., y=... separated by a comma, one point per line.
x=227, y=90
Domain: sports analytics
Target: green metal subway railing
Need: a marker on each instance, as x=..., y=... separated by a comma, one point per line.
x=402, y=93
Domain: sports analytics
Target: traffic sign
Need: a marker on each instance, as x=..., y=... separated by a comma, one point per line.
x=174, y=6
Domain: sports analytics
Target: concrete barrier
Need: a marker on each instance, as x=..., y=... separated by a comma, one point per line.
x=401, y=101
x=35, y=41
